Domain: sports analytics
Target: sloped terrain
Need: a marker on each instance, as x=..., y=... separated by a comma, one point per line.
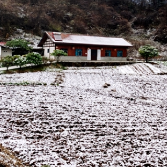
x=82, y=123
x=98, y=17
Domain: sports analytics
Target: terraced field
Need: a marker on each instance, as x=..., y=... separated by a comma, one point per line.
x=93, y=117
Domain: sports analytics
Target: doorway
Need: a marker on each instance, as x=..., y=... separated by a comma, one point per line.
x=93, y=54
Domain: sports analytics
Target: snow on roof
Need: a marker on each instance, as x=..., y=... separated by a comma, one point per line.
x=66, y=38
x=2, y=43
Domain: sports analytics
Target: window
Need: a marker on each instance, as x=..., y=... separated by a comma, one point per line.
x=119, y=53
x=65, y=50
x=78, y=52
x=108, y=53
x=48, y=50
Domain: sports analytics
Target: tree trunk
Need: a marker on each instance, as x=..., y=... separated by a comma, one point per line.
x=146, y=59
x=58, y=58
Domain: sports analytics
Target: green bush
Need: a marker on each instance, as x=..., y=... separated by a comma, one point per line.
x=148, y=51
x=19, y=43
x=57, y=53
x=34, y=58
x=7, y=61
x=20, y=60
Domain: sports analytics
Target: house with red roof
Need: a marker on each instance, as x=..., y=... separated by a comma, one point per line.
x=85, y=47
x=4, y=51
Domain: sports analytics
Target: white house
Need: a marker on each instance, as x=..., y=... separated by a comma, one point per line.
x=4, y=51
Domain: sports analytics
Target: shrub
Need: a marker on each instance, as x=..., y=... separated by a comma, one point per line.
x=34, y=58
x=148, y=51
x=57, y=53
x=7, y=61
x=20, y=60
x=19, y=43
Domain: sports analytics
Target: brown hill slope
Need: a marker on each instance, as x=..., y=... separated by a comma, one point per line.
x=87, y=17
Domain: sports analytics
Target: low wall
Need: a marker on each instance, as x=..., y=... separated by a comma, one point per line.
x=113, y=58
x=73, y=58
x=84, y=58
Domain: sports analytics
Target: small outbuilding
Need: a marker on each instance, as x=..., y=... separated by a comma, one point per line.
x=85, y=47
x=4, y=51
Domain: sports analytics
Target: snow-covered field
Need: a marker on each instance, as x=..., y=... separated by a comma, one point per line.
x=79, y=123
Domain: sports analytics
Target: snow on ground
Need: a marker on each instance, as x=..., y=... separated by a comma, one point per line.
x=36, y=77
x=80, y=123
x=138, y=68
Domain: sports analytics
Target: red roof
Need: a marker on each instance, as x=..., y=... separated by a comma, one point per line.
x=2, y=43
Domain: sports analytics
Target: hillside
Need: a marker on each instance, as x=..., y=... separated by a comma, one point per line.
x=108, y=18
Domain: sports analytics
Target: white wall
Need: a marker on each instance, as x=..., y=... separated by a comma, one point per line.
x=89, y=54
x=46, y=54
x=6, y=52
x=98, y=54
x=46, y=47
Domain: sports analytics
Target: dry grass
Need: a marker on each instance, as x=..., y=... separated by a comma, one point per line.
x=8, y=159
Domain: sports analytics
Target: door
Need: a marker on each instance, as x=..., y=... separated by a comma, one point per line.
x=93, y=54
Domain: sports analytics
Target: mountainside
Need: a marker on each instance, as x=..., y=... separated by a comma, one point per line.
x=98, y=17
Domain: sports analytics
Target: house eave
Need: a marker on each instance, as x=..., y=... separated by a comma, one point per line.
x=91, y=44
